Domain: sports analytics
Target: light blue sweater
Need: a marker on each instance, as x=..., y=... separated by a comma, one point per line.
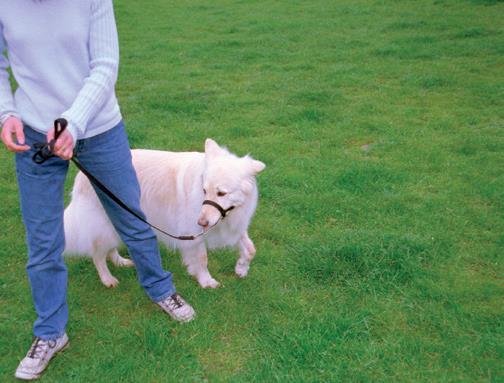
x=64, y=56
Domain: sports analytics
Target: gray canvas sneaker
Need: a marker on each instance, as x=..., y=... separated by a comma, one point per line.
x=177, y=308
x=38, y=357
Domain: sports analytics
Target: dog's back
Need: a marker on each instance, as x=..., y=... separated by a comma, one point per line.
x=171, y=197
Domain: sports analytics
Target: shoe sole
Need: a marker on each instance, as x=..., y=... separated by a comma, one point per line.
x=180, y=320
x=21, y=376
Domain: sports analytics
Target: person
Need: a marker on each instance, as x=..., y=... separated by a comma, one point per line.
x=64, y=57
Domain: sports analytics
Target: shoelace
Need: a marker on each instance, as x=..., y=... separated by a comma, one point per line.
x=174, y=302
x=40, y=347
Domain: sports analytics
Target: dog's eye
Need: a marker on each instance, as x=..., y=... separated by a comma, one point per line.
x=204, y=191
x=221, y=194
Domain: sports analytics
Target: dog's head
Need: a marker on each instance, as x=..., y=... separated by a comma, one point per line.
x=228, y=180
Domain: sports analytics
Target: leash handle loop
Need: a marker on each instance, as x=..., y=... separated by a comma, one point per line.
x=45, y=150
x=59, y=126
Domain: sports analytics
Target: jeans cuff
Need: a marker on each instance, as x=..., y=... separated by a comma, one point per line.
x=50, y=337
x=165, y=295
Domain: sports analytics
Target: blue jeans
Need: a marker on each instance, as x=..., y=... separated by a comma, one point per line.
x=108, y=157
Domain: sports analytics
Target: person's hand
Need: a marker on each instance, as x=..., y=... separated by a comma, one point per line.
x=14, y=127
x=63, y=148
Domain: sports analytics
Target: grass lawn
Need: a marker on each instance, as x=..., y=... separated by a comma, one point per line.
x=380, y=223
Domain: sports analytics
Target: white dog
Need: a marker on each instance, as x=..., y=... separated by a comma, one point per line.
x=174, y=186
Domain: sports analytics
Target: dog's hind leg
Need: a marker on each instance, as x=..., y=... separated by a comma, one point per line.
x=117, y=260
x=247, y=253
x=100, y=262
x=196, y=260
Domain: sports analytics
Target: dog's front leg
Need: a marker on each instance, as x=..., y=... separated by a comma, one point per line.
x=247, y=253
x=196, y=260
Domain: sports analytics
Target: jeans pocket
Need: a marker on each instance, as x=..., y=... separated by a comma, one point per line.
x=26, y=166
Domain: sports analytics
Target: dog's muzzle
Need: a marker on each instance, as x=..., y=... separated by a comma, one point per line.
x=218, y=207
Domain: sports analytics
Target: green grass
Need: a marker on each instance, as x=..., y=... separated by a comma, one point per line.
x=380, y=224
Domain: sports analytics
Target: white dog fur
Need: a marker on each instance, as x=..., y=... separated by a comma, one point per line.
x=173, y=187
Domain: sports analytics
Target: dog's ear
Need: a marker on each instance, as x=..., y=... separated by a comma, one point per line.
x=211, y=147
x=255, y=166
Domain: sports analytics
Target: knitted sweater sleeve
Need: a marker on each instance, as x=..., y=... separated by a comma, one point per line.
x=104, y=63
x=7, y=107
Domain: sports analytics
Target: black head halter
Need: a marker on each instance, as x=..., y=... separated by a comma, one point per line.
x=218, y=207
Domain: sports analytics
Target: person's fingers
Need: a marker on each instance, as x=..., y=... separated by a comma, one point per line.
x=5, y=135
x=20, y=137
x=8, y=139
x=64, y=141
x=65, y=153
x=21, y=148
x=68, y=141
x=59, y=144
x=58, y=152
x=50, y=135
x=64, y=147
x=20, y=134
x=68, y=154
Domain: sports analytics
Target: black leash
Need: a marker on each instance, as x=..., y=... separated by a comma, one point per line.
x=45, y=151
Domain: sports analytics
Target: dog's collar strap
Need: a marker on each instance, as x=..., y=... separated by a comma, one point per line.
x=218, y=207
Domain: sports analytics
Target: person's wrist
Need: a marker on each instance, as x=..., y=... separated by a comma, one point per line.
x=73, y=133
x=72, y=129
x=4, y=117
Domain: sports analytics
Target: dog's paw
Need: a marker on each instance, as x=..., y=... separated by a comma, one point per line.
x=110, y=282
x=209, y=282
x=242, y=270
x=119, y=261
x=124, y=262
